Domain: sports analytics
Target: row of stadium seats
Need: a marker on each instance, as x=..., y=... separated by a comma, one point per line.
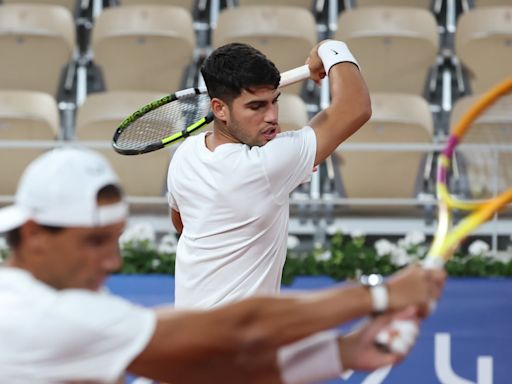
x=385, y=41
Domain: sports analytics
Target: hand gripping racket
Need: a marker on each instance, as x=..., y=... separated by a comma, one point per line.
x=174, y=117
x=448, y=237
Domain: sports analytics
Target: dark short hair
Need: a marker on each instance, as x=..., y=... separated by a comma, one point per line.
x=108, y=192
x=235, y=67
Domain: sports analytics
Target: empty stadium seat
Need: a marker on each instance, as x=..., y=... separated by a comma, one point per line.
x=485, y=171
x=293, y=114
x=36, y=41
x=395, y=46
x=285, y=34
x=490, y=3
x=29, y=116
x=401, y=3
x=296, y=3
x=144, y=47
x=187, y=4
x=69, y=4
x=483, y=43
x=399, y=119
x=97, y=119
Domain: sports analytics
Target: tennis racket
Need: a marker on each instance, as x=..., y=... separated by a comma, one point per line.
x=174, y=117
x=448, y=237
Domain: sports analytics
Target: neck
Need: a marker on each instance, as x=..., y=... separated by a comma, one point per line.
x=219, y=136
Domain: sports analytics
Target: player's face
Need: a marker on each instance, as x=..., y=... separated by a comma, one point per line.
x=253, y=116
x=82, y=257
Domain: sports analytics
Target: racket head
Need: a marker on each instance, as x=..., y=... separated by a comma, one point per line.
x=174, y=117
x=163, y=122
x=446, y=239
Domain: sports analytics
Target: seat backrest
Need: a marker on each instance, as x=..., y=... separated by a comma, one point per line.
x=98, y=118
x=24, y=115
x=143, y=47
x=483, y=42
x=37, y=41
x=187, y=4
x=284, y=34
x=28, y=115
x=395, y=46
x=490, y=3
x=101, y=113
x=293, y=114
x=401, y=3
x=69, y=4
x=397, y=119
x=486, y=170
x=296, y=3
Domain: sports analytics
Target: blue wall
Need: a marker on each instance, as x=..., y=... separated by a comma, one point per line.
x=469, y=333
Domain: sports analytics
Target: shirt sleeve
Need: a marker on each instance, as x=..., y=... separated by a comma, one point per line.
x=288, y=160
x=89, y=337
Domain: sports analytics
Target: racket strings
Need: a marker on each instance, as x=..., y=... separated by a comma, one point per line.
x=164, y=121
x=488, y=166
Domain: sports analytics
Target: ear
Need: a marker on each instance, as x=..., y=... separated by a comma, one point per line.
x=32, y=235
x=220, y=109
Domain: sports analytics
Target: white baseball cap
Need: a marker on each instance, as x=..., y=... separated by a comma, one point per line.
x=60, y=188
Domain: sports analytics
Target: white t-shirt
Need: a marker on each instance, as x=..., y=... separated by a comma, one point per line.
x=49, y=336
x=234, y=204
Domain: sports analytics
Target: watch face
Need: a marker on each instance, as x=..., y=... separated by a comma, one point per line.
x=371, y=280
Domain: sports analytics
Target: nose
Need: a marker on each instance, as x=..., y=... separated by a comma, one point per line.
x=272, y=114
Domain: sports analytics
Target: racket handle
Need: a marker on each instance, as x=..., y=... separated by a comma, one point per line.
x=400, y=335
x=294, y=75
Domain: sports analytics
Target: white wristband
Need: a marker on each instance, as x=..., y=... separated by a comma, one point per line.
x=333, y=52
x=312, y=359
x=380, y=299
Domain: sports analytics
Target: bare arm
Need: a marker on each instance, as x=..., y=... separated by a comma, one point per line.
x=350, y=105
x=176, y=221
x=240, y=340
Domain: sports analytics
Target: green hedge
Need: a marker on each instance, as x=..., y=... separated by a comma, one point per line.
x=346, y=257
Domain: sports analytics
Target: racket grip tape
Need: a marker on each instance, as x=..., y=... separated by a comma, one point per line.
x=295, y=75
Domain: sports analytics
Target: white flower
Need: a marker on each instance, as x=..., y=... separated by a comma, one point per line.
x=400, y=257
x=293, y=242
x=414, y=238
x=138, y=233
x=357, y=233
x=168, y=244
x=383, y=247
x=324, y=256
x=336, y=228
x=478, y=248
x=504, y=257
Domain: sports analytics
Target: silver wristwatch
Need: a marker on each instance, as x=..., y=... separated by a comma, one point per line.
x=378, y=291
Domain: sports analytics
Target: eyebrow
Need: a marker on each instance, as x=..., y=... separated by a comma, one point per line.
x=261, y=102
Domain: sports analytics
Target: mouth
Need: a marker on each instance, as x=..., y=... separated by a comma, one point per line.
x=270, y=133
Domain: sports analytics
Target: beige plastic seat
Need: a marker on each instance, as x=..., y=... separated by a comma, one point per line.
x=490, y=3
x=97, y=119
x=395, y=46
x=69, y=4
x=24, y=115
x=483, y=44
x=36, y=41
x=487, y=171
x=401, y=3
x=296, y=3
x=284, y=34
x=143, y=47
x=398, y=119
x=187, y=4
x=293, y=114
